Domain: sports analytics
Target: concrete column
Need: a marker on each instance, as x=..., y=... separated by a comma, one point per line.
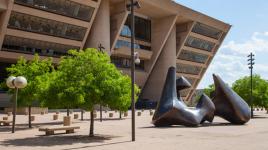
x=100, y=31
x=167, y=58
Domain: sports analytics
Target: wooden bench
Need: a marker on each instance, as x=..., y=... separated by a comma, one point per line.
x=52, y=129
x=5, y=122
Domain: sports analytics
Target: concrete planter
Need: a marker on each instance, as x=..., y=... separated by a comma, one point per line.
x=9, y=113
x=95, y=115
x=76, y=116
x=32, y=118
x=111, y=115
x=67, y=120
x=55, y=117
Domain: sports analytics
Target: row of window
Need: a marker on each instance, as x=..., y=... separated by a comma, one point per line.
x=193, y=56
x=188, y=69
x=207, y=30
x=122, y=43
x=142, y=29
x=126, y=63
x=45, y=26
x=30, y=46
x=63, y=7
x=199, y=44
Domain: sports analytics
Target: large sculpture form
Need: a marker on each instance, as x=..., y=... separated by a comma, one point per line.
x=173, y=111
x=229, y=105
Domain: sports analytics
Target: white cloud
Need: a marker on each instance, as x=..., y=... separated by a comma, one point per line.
x=231, y=60
x=257, y=43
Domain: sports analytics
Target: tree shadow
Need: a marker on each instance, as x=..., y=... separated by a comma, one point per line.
x=21, y=127
x=57, y=140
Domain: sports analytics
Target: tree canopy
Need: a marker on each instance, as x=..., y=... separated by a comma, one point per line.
x=31, y=70
x=260, y=90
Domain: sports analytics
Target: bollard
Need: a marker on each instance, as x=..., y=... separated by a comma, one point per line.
x=111, y=115
x=55, y=117
x=139, y=113
x=5, y=118
x=32, y=118
x=66, y=120
x=76, y=116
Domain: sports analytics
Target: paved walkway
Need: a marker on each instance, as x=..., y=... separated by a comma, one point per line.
x=114, y=134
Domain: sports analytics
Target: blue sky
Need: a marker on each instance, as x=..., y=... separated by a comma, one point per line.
x=249, y=20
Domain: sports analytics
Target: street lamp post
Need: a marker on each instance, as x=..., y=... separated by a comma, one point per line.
x=131, y=8
x=15, y=83
x=101, y=48
x=251, y=63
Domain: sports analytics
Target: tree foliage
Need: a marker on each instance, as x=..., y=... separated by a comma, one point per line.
x=260, y=90
x=208, y=91
x=31, y=70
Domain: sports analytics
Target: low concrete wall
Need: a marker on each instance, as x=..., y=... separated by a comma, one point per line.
x=24, y=110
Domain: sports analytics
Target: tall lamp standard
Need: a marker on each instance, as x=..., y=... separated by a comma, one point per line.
x=15, y=83
x=131, y=8
x=101, y=48
x=251, y=63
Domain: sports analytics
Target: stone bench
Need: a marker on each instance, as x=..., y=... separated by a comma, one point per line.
x=5, y=122
x=52, y=129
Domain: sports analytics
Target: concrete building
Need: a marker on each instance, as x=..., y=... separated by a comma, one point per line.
x=167, y=34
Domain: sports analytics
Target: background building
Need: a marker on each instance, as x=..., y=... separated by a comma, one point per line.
x=167, y=34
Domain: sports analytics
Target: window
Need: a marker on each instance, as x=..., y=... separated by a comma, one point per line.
x=142, y=29
x=30, y=46
x=207, y=30
x=199, y=43
x=193, y=56
x=45, y=26
x=121, y=43
x=62, y=7
x=188, y=69
x=126, y=63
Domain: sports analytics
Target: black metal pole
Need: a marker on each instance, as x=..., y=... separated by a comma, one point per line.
x=100, y=113
x=14, y=110
x=132, y=70
x=251, y=83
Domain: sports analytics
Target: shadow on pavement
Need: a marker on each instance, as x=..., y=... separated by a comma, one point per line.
x=56, y=140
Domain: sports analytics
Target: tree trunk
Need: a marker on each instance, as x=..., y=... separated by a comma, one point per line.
x=120, y=115
x=82, y=114
x=91, y=132
x=68, y=112
x=30, y=114
x=100, y=113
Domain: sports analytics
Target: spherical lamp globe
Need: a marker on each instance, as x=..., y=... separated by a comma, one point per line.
x=20, y=82
x=137, y=61
x=9, y=82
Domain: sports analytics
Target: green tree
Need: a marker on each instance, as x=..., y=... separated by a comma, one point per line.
x=31, y=70
x=209, y=90
x=260, y=90
x=84, y=79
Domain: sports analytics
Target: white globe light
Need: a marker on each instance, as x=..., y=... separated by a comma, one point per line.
x=137, y=61
x=20, y=82
x=9, y=82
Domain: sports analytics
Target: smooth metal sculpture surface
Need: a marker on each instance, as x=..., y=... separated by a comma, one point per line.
x=171, y=110
x=229, y=105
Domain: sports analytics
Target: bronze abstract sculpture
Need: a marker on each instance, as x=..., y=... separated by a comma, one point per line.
x=171, y=110
x=229, y=105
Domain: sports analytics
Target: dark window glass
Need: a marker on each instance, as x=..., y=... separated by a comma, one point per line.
x=193, y=56
x=188, y=69
x=63, y=7
x=126, y=63
x=207, y=30
x=199, y=43
x=121, y=43
x=30, y=46
x=142, y=29
x=45, y=26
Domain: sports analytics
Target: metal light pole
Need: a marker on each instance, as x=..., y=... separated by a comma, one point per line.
x=15, y=83
x=131, y=8
x=101, y=48
x=251, y=63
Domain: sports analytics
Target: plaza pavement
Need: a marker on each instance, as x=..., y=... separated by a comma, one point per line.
x=115, y=134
